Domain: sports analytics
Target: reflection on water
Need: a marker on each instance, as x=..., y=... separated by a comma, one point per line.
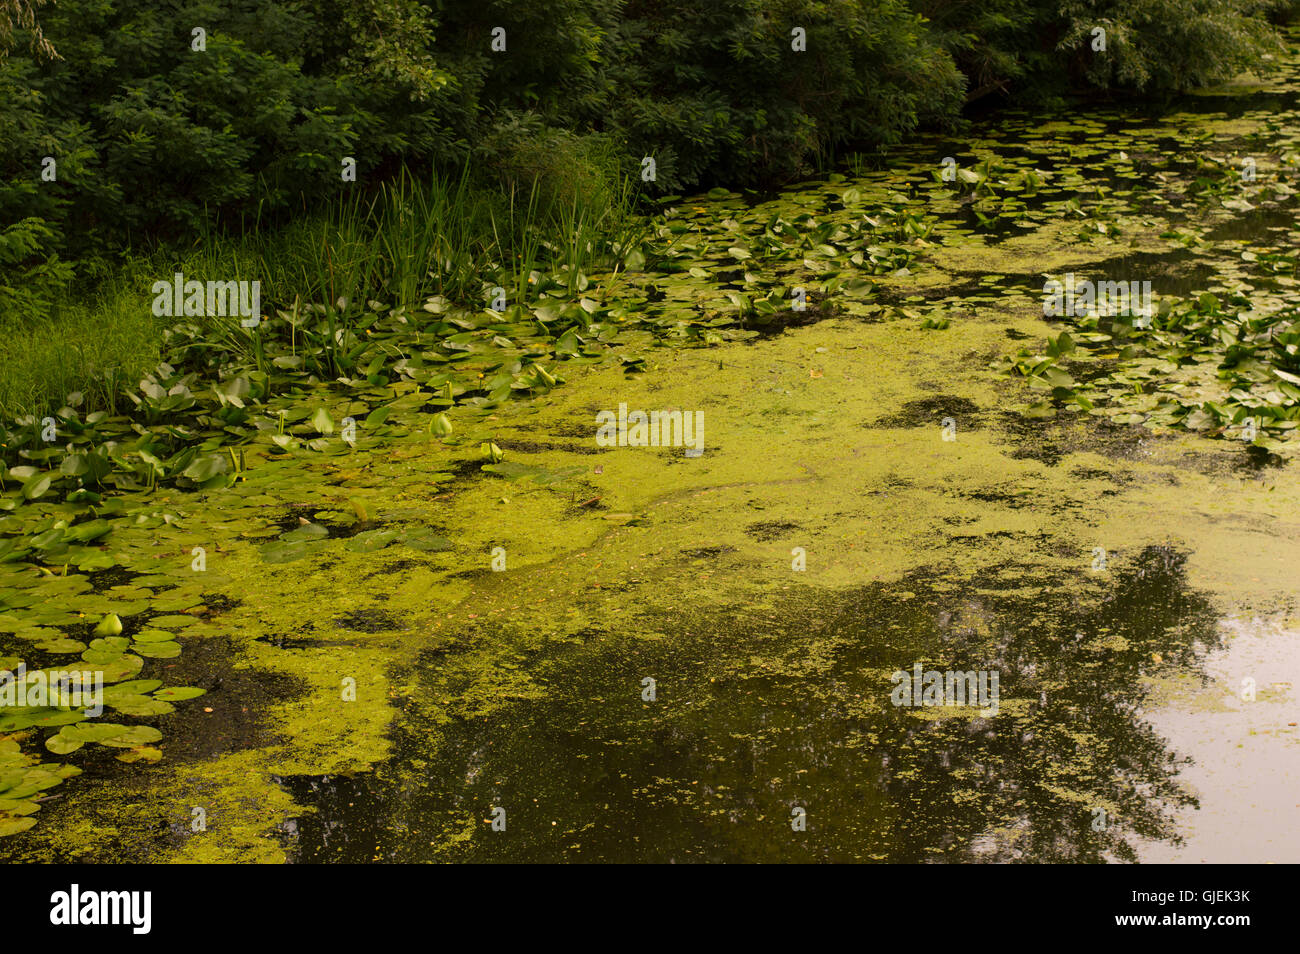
x=1241, y=731
x=757, y=714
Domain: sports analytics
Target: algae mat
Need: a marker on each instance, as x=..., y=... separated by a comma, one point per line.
x=525, y=689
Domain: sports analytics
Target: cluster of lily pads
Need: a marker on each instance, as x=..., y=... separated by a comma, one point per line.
x=710, y=269
x=109, y=662
x=1201, y=365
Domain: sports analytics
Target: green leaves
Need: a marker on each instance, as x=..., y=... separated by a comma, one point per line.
x=308, y=531
x=1245, y=366
x=72, y=737
x=283, y=551
x=369, y=541
x=36, y=486
x=204, y=468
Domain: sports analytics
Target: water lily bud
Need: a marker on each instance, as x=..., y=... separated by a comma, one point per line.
x=441, y=425
x=110, y=625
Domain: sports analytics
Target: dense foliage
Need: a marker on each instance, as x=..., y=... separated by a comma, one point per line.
x=157, y=131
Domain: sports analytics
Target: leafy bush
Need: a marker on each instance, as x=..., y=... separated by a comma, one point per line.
x=1165, y=44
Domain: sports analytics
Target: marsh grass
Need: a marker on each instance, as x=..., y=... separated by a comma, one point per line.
x=448, y=235
x=89, y=347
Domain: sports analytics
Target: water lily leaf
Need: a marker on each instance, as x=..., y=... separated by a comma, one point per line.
x=36, y=486
x=12, y=826
x=153, y=636
x=110, y=644
x=93, y=731
x=427, y=541
x=134, y=687
x=132, y=737
x=26, y=717
x=18, y=806
x=308, y=531
x=205, y=468
x=124, y=666
x=173, y=619
x=140, y=705
x=159, y=650
x=370, y=540
x=281, y=551
x=91, y=562
x=1057, y=378
x=141, y=753
x=61, y=644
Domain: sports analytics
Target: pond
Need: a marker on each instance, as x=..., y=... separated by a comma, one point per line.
x=631, y=653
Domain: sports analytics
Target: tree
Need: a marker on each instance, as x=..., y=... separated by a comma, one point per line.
x=21, y=15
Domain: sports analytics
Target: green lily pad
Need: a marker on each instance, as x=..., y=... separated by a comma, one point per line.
x=281, y=551
x=137, y=705
x=308, y=531
x=12, y=826
x=153, y=636
x=174, y=619
x=159, y=650
x=29, y=717
x=135, y=735
x=369, y=541
x=427, y=541
x=141, y=753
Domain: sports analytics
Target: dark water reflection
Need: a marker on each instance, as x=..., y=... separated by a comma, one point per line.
x=756, y=716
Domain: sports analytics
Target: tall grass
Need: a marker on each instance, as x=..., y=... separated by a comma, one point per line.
x=412, y=239
x=89, y=347
x=407, y=240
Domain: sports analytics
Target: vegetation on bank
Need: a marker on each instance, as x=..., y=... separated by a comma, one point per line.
x=169, y=124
